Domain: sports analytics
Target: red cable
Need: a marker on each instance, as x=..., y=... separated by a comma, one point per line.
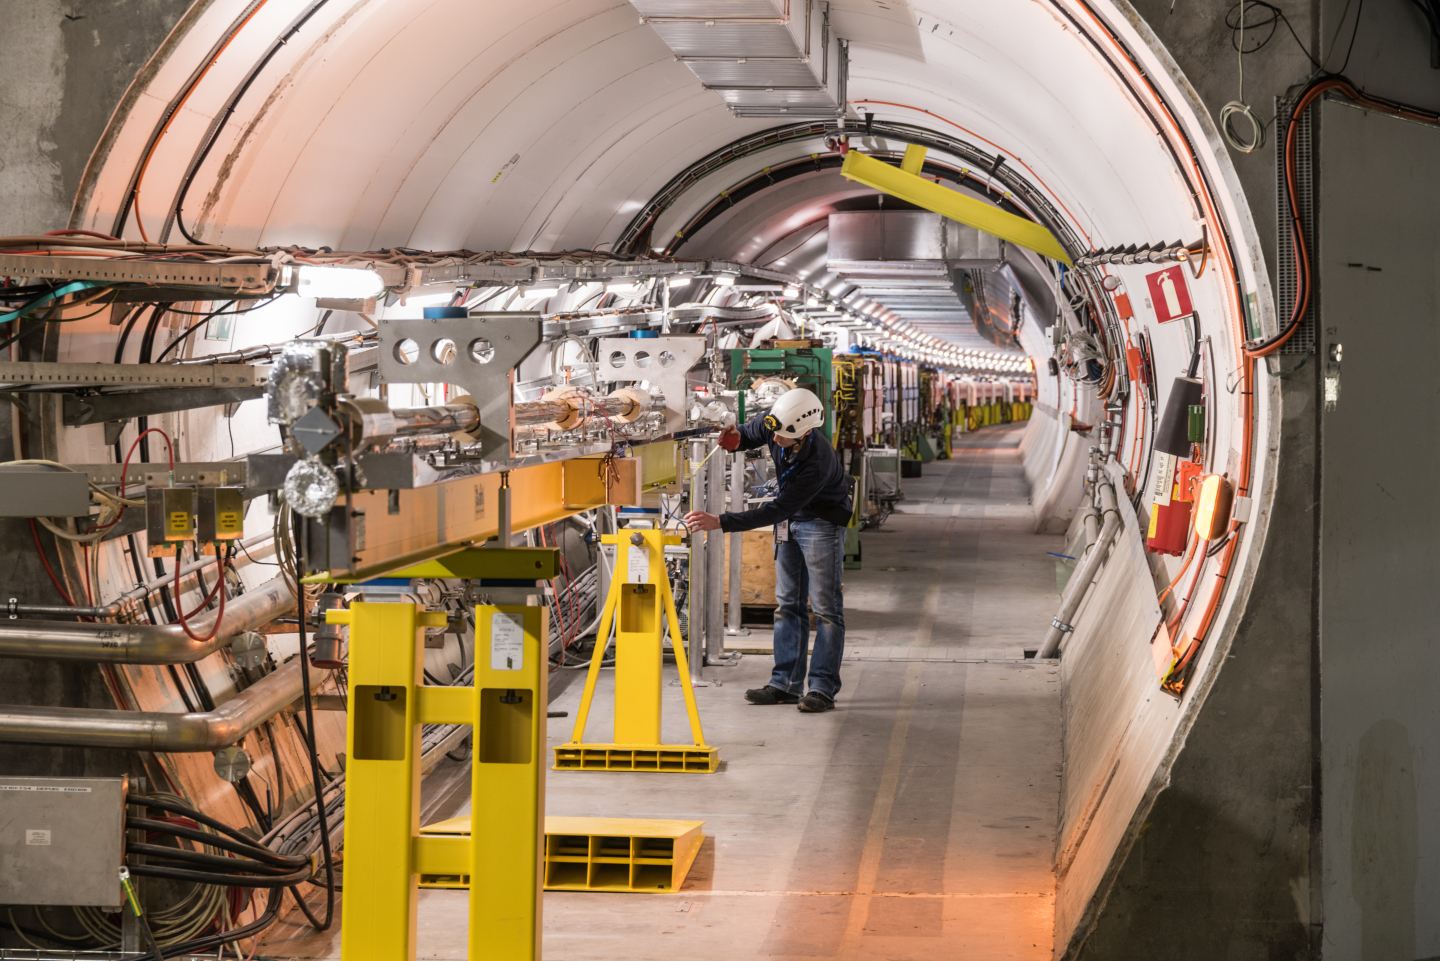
x=35, y=533
x=125, y=469
x=180, y=606
x=78, y=233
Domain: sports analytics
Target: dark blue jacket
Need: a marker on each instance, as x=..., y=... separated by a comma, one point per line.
x=812, y=482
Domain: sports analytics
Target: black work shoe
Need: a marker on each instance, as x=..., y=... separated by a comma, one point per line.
x=770, y=695
x=816, y=703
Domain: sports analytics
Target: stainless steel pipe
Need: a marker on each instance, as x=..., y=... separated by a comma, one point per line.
x=1084, y=574
x=153, y=731
x=715, y=562
x=145, y=643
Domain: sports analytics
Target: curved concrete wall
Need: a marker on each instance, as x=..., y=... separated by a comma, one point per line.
x=547, y=125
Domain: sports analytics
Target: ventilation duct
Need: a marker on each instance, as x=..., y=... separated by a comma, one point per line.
x=765, y=58
x=905, y=260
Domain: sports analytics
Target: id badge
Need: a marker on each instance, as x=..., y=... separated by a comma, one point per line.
x=782, y=532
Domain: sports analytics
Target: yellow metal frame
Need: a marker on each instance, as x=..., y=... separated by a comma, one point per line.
x=385, y=852
x=639, y=610
x=600, y=854
x=906, y=183
x=441, y=519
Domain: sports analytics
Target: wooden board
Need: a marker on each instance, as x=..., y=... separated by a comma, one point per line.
x=757, y=569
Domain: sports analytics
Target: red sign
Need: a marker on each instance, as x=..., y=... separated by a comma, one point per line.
x=1169, y=293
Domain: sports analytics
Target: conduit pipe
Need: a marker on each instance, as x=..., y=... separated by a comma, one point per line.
x=145, y=643
x=116, y=607
x=154, y=731
x=1085, y=573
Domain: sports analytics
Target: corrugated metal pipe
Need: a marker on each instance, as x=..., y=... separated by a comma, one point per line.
x=1084, y=574
x=145, y=643
x=152, y=731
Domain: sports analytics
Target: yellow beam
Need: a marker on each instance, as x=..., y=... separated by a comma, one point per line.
x=914, y=160
x=907, y=184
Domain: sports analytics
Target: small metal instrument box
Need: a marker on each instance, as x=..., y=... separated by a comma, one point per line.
x=61, y=840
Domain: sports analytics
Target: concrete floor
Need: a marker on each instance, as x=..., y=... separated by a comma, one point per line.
x=916, y=821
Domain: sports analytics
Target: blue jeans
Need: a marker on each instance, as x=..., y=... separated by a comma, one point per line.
x=809, y=564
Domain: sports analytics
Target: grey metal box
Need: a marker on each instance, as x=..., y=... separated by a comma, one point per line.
x=39, y=492
x=61, y=840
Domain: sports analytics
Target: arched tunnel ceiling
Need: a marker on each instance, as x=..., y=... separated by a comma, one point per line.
x=546, y=125
x=549, y=125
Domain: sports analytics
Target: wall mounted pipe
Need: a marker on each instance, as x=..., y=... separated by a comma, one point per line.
x=117, y=607
x=144, y=643
x=1085, y=573
x=153, y=731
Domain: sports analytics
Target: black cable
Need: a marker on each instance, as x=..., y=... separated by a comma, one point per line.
x=224, y=880
x=1276, y=16
x=314, y=756
x=1359, y=9
x=221, y=841
x=192, y=328
x=266, y=918
x=200, y=817
x=218, y=861
x=223, y=117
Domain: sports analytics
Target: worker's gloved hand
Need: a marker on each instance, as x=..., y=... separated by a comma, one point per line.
x=729, y=438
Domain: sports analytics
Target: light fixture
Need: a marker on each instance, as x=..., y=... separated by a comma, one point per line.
x=625, y=287
x=1212, y=507
x=791, y=291
x=725, y=280
x=338, y=283
x=679, y=281
x=530, y=293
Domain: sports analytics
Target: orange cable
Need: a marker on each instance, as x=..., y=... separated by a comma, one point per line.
x=145, y=162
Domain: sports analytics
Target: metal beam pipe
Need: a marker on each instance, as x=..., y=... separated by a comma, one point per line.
x=145, y=643
x=153, y=731
x=446, y=419
x=1084, y=574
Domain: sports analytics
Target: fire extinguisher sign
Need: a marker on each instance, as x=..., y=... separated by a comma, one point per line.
x=1169, y=294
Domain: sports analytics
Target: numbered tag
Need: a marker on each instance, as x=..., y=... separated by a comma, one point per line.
x=507, y=642
x=637, y=564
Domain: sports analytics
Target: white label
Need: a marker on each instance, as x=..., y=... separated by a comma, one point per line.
x=1164, y=480
x=507, y=642
x=637, y=564
x=46, y=789
x=35, y=836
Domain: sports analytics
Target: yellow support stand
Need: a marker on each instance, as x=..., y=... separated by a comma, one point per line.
x=385, y=853
x=639, y=605
x=637, y=855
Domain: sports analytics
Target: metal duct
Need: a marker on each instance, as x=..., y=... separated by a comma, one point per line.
x=145, y=643
x=765, y=58
x=151, y=731
x=905, y=259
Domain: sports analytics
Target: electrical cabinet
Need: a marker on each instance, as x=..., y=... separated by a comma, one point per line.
x=61, y=840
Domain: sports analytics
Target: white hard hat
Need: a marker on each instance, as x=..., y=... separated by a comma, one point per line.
x=796, y=412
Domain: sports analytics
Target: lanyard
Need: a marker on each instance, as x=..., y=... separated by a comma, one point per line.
x=786, y=471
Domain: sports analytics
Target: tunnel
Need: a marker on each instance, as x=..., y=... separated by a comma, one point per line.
x=1138, y=629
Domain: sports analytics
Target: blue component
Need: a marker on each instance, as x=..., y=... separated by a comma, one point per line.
x=639, y=510
x=444, y=313
x=385, y=582
x=644, y=333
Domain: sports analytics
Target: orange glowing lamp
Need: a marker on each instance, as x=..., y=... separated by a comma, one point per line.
x=1214, y=498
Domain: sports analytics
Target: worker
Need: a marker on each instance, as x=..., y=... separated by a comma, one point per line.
x=809, y=514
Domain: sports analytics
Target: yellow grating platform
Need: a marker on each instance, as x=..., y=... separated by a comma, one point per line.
x=614, y=757
x=599, y=854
